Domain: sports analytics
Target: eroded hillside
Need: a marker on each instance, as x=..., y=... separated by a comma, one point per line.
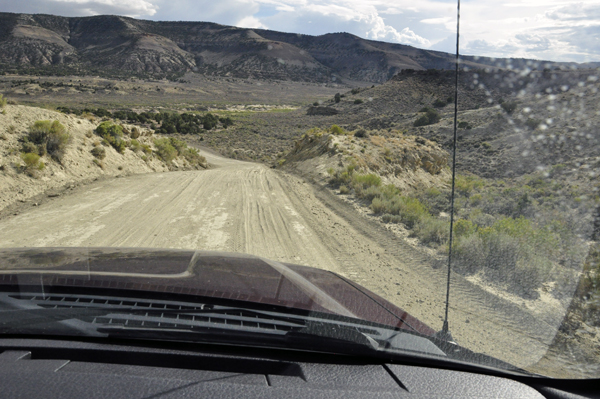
x=43, y=152
x=121, y=46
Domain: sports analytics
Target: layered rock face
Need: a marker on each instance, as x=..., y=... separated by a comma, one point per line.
x=89, y=44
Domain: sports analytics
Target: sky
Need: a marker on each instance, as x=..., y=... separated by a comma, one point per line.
x=554, y=30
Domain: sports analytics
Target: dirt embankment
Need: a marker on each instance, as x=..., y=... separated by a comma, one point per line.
x=405, y=161
x=78, y=165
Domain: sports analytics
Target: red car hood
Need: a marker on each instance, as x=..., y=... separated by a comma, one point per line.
x=201, y=273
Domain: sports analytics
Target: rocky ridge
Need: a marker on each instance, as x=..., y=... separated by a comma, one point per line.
x=121, y=45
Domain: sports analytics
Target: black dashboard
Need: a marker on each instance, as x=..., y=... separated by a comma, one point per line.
x=50, y=368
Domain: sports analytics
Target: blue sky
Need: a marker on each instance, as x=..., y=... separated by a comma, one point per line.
x=557, y=30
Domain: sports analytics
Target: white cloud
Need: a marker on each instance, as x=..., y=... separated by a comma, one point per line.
x=138, y=6
x=575, y=12
x=361, y=19
x=392, y=10
x=435, y=21
x=227, y=12
x=405, y=36
x=130, y=8
x=447, y=44
x=250, y=22
x=548, y=30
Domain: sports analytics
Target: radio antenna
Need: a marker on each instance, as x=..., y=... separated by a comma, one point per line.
x=445, y=333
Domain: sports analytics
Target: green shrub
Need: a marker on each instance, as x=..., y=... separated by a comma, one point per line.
x=368, y=193
x=32, y=163
x=432, y=192
x=226, y=122
x=2, y=101
x=51, y=137
x=389, y=191
x=511, y=251
x=358, y=101
x=422, y=121
x=108, y=128
x=386, y=205
x=31, y=159
x=431, y=230
x=113, y=134
x=439, y=103
x=365, y=181
x=361, y=133
x=463, y=227
x=412, y=211
x=431, y=116
x=209, y=121
x=135, y=145
x=57, y=145
x=29, y=147
x=502, y=252
x=39, y=131
x=344, y=190
x=146, y=149
x=337, y=98
x=179, y=145
x=165, y=150
x=476, y=199
x=378, y=205
x=468, y=254
x=465, y=185
x=193, y=156
x=135, y=133
x=335, y=129
x=98, y=152
x=387, y=218
x=463, y=125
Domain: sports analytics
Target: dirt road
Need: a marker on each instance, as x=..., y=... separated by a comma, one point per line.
x=249, y=208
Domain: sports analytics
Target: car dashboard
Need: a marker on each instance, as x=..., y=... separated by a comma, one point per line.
x=49, y=368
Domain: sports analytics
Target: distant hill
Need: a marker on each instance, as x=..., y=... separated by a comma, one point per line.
x=121, y=45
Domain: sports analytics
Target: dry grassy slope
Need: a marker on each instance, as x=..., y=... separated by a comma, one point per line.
x=77, y=166
x=555, y=120
x=407, y=94
x=408, y=162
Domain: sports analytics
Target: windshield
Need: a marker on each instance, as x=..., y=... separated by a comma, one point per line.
x=454, y=200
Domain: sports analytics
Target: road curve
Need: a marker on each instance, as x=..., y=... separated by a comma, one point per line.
x=249, y=208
